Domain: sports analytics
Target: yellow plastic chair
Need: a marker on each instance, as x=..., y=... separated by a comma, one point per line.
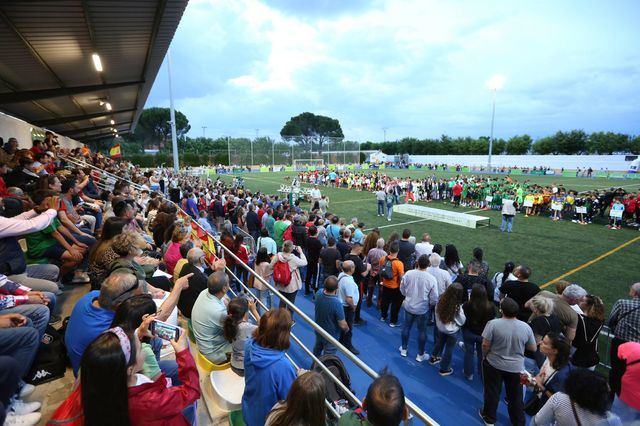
x=192, y=337
x=208, y=366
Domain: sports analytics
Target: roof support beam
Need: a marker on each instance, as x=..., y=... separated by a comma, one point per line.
x=62, y=120
x=100, y=136
x=91, y=129
x=30, y=95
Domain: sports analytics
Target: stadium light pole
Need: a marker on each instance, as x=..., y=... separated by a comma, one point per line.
x=174, y=137
x=203, y=129
x=229, y=151
x=496, y=82
x=384, y=129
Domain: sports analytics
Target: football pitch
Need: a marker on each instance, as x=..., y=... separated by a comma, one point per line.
x=602, y=260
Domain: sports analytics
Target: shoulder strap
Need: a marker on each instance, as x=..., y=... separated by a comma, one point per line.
x=575, y=413
x=621, y=317
x=637, y=361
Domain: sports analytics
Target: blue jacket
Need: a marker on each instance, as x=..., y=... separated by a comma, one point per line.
x=268, y=375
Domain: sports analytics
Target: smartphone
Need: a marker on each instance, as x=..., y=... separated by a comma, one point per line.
x=164, y=331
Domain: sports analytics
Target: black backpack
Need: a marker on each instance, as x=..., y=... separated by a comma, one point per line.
x=386, y=271
x=337, y=368
x=51, y=361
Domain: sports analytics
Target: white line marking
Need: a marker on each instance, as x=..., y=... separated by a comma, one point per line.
x=397, y=224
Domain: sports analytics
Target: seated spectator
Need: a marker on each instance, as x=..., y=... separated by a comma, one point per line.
x=24, y=175
x=184, y=250
x=102, y=253
x=590, y=324
x=198, y=282
x=80, y=226
x=13, y=411
x=35, y=305
x=163, y=224
x=129, y=316
x=584, y=401
x=207, y=319
x=115, y=357
x=237, y=329
x=384, y=404
x=305, y=403
x=56, y=244
x=13, y=263
x=180, y=235
x=128, y=246
x=553, y=373
x=268, y=373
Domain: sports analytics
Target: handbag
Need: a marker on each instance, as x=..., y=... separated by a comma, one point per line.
x=535, y=403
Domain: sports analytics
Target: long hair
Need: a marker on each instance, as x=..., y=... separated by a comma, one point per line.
x=274, y=329
x=236, y=311
x=478, y=302
x=562, y=347
x=371, y=241
x=112, y=226
x=595, y=307
x=451, y=256
x=393, y=237
x=304, y=403
x=103, y=381
x=509, y=267
x=449, y=302
x=262, y=256
x=129, y=313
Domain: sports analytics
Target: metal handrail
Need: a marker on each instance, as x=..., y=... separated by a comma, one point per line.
x=417, y=411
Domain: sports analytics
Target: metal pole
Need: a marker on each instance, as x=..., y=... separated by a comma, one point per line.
x=358, y=152
x=251, y=152
x=493, y=115
x=384, y=129
x=203, y=129
x=174, y=137
x=273, y=154
x=344, y=152
x=292, y=155
x=229, y=151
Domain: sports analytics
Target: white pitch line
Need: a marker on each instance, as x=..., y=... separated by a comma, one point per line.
x=397, y=224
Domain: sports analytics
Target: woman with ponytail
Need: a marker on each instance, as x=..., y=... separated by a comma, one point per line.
x=237, y=329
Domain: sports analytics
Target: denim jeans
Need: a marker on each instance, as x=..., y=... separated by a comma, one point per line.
x=445, y=344
x=507, y=222
x=265, y=297
x=20, y=343
x=472, y=344
x=381, y=207
x=389, y=210
x=37, y=314
x=323, y=347
x=39, y=278
x=421, y=321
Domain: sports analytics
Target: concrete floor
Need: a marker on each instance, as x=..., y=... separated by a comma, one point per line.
x=52, y=394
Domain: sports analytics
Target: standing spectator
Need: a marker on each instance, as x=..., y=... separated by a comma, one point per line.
x=563, y=310
x=420, y=290
x=457, y=192
x=329, y=258
x=500, y=278
x=241, y=271
x=452, y=263
x=268, y=373
x=281, y=225
x=590, y=324
x=449, y=319
x=389, y=199
x=424, y=246
x=360, y=274
x=407, y=250
x=508, y=213
x=478, y=255
x=583, y=402
x=442, y=277
x=305, y=403
x=349, y=296
x=542, y=322
x=344, y=243
x=329, y=314
x=391, y=272
x=314, y=247
x=504, y=342
x=478, y=312
x=373, y=258
x=380, y=196
x=264, y=269
x=267, y=242
x=384, y=404
x=521, y=291
x=207, y=318
x=474, y=276
x=295, y=263
x=623, y=323
x=253, y=222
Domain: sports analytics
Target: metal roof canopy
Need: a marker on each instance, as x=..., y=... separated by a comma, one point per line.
x=47, y=75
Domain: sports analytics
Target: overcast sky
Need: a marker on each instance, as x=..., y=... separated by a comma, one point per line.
x=418, y=68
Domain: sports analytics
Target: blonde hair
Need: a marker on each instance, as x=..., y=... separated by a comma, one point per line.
x=123, y=244
x=543, y=305
x=179, y=233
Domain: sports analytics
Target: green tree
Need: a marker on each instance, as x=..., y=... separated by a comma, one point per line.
x=608, y=143
x=545, y=146
x=154, y=129
x=573, y=142
x=518, y=145
x=307, y=129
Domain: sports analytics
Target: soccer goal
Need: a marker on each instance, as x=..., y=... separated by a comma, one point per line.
x=302, y=163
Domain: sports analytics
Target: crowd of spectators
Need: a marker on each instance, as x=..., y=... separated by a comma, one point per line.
x=135, y=253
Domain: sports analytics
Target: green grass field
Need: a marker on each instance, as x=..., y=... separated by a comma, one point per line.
x=550, y=248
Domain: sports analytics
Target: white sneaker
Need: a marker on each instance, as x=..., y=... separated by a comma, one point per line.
x=26, y=390
x=14, y=419
x=403, y=352
x=422, y=357
x=20, y=407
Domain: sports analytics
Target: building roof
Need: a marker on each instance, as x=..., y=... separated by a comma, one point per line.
x=47, y=73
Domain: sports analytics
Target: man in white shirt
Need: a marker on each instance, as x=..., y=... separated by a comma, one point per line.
x=442, y=277
x=315, y=194
x=380, y=196
x=424, y=247
x=349, y=296
x=420, y=290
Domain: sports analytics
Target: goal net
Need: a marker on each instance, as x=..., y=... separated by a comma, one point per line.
x=300, y=163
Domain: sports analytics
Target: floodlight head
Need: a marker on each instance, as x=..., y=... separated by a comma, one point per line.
x=496, y=82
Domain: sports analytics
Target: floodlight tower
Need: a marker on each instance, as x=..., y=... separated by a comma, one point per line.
x=494, y=83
